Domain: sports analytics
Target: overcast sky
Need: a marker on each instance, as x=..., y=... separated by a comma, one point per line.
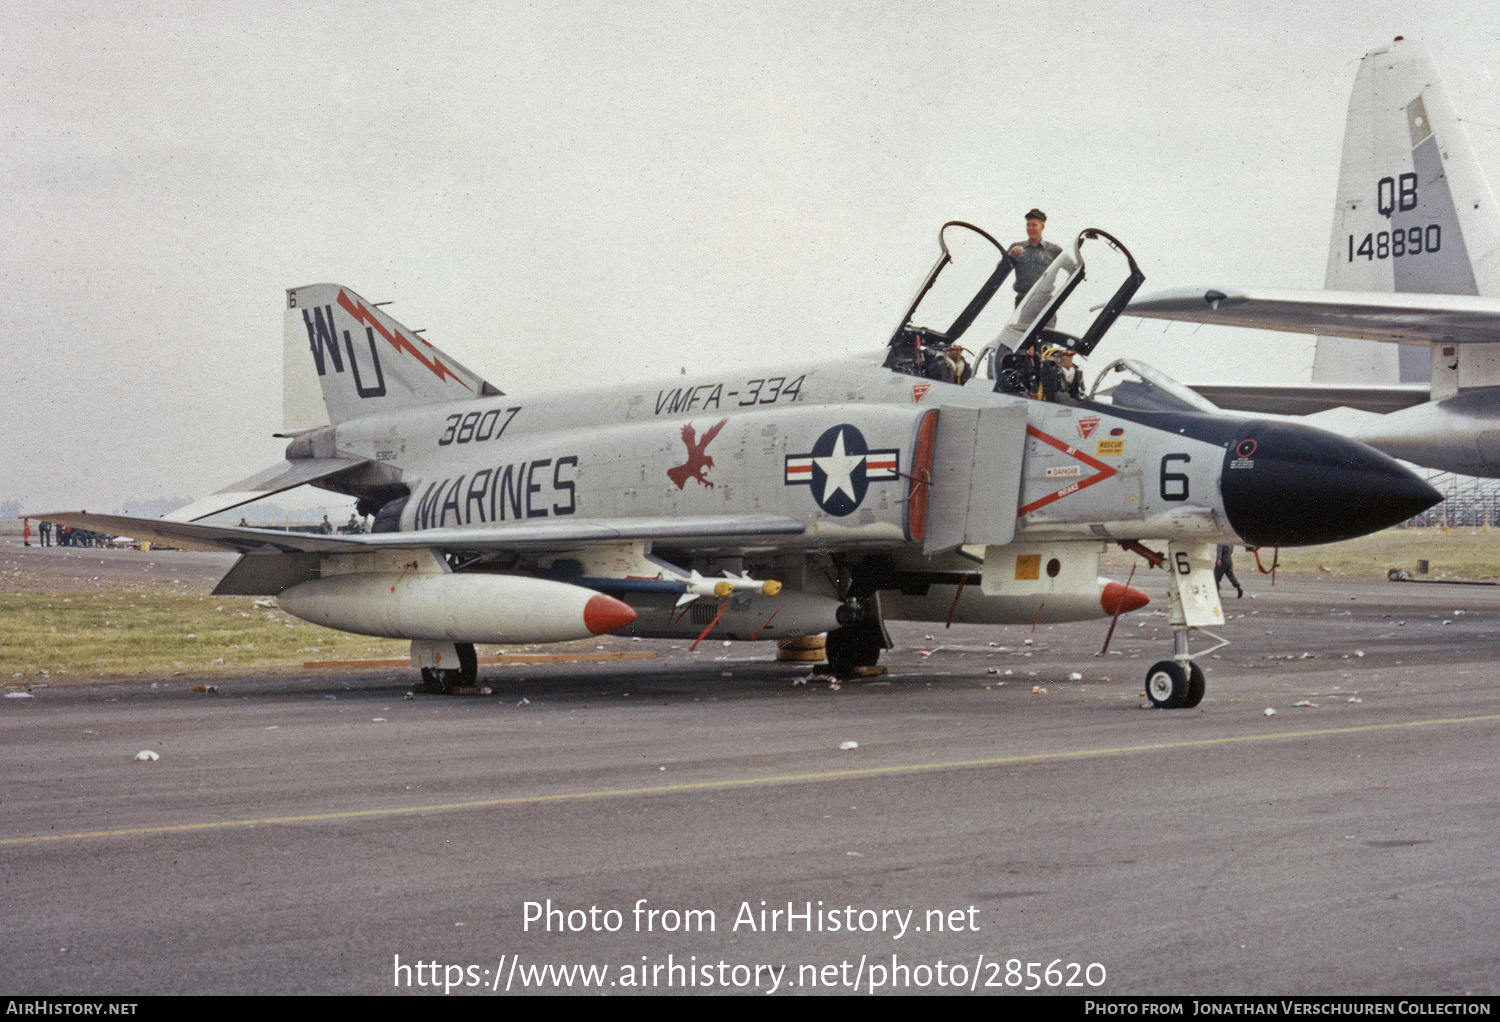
x=588, y=192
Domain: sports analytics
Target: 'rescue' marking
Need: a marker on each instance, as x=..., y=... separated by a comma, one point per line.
x=1102, y=471
x=738, y=782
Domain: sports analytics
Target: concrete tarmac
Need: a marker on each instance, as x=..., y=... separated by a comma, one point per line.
x=319, y=832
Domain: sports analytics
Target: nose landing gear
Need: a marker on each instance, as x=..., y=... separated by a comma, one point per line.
x=1179, y=683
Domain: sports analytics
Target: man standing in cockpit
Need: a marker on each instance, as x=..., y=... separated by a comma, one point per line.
x=1032, y=256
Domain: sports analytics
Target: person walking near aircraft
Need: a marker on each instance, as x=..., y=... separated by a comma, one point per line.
x=26, y=532
x=44, y=530
x=1224, y=568
x=1032, y=256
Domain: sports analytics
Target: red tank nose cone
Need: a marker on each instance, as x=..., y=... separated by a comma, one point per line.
x=1126, y=598
x=606, y=614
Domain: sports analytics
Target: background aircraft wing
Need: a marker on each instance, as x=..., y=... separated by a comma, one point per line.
x=548, y=534
x=1397, y=318
x=1314, y=398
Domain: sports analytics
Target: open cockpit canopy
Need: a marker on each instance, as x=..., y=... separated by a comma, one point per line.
x=1070, y=307
x=970, y=270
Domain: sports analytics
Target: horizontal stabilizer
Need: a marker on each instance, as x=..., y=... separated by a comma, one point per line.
x=1396, y=318
x=548, y=534
x=275, y=479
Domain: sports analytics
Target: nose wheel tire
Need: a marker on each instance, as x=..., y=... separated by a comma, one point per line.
x=1167, y=685
x=1197, y=685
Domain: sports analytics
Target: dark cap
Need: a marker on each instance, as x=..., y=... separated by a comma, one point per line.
x=1037, y=214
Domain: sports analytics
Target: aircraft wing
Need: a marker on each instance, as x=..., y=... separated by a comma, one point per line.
x=1398, y=318
x=548, y=534
x=1313, y=398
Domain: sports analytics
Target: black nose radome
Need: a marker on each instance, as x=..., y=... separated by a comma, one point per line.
x=1286, y=484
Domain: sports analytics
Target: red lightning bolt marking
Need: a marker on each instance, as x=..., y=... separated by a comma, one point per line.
x=399, y=342
x=1104, y=471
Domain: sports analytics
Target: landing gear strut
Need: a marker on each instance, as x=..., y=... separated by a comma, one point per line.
x=444, y=680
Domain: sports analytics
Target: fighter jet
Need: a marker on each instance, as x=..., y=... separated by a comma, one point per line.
x=1413, y=261
x=921, y=482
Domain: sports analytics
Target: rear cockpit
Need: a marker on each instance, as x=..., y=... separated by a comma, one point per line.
x=1029, y=350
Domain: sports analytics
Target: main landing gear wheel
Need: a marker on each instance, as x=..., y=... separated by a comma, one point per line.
x=853, y=647
x=1197, y=685
x=1167, y=685
x=466, y=676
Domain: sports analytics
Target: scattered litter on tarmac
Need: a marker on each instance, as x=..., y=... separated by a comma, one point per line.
x=1355, y=699
x=330, y=698
x=1306, y=702
x=846, y=746
x=1075, y=676
x=377, y=720
x=1270, y=712
x=834, y=686
x=147, y=756
x=1038, y=690
x=18, y=695
x=527, y=702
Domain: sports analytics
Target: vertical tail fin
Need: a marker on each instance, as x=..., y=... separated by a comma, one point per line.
x=364, y=362
x=1414, y=212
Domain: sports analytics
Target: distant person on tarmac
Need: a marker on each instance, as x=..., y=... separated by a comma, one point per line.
x=1224, y=568
x=44, y=529
x=26, y=532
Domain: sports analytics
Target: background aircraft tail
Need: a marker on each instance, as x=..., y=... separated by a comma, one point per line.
x=344, y=358
x=1414, y=212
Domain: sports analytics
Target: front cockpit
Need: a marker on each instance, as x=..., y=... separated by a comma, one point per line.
x=1030, y=351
